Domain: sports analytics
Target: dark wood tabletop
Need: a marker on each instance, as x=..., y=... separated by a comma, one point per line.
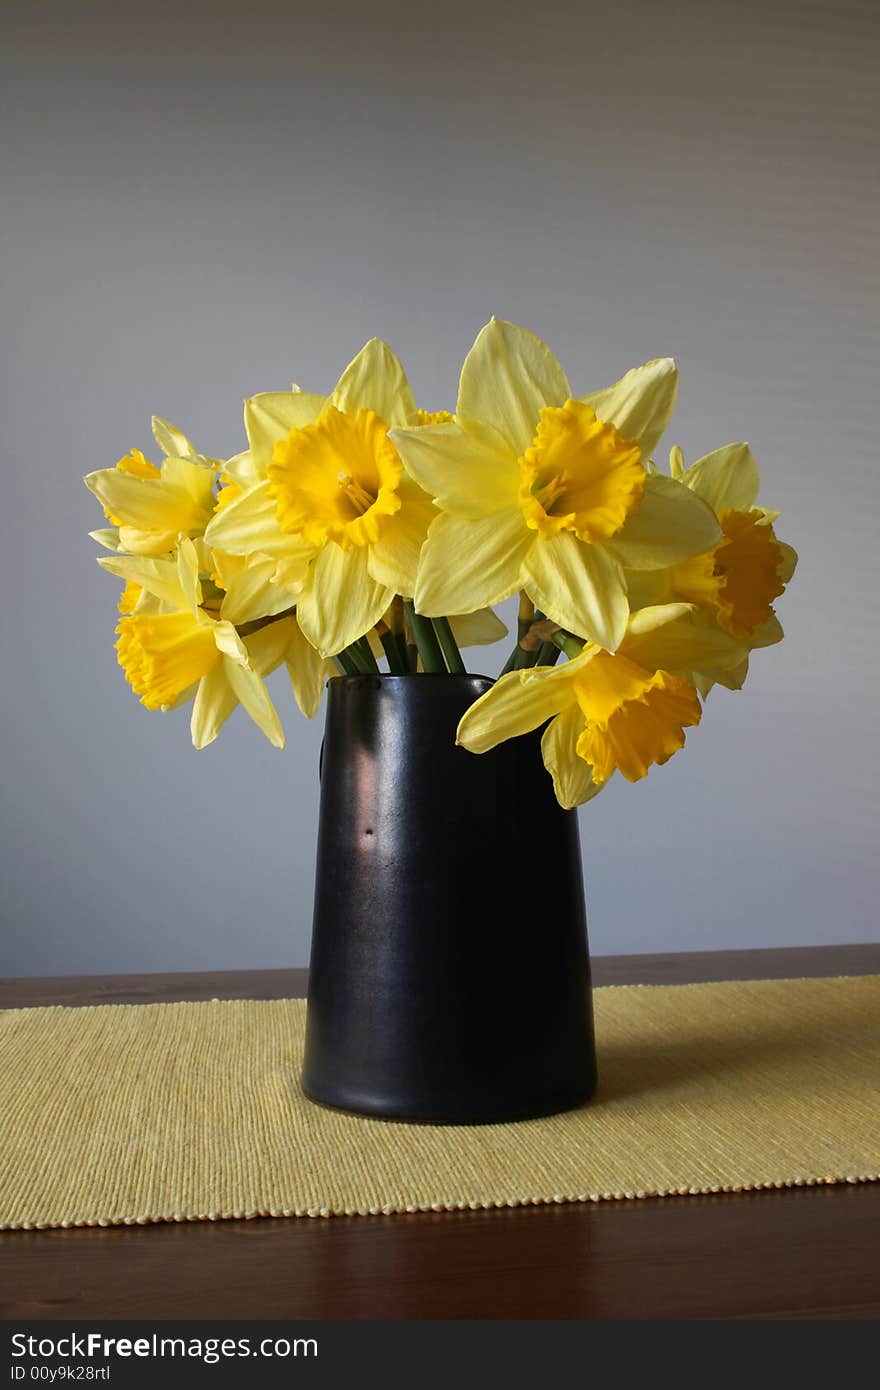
x=802, y=1253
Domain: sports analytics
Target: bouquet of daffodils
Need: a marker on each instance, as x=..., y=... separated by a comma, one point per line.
x=357, y=529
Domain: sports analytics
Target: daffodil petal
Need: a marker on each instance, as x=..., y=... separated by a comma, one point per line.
x=268, y=646
x=194, y=479
x=572, y=775
x=342, y=601
x=291, y=571
x=215, y=700
x=375, y=380
x=671, y=524
x=158, y=577
x=135, y=541
x=242, y=470
x=271, y=416
x=171, y=440
x=225, y=567
x=788, y=563
x=579, y=586
x=228, y=642
x=508, y=377
x=107, y=536
x=726, y=478
x=517, y=703
x=203, y=553
x=249, y=525
x=687, y=643
x=651, y=617
x=641, y=403
x=467, y=565
x=251, y=594
x=734, y=679
x=766, y=634
x=307, y=669
x=649, y=588
x=254, y=697
x=394, y=559
x=188, y=572
x=478, y=629
x=468, y=472
x=147, y=503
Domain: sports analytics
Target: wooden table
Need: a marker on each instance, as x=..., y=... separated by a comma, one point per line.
x=798, y=1253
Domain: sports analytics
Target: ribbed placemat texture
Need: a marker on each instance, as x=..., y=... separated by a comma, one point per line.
x=176, y=1112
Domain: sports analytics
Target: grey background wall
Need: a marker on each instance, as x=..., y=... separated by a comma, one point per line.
x=201, y=203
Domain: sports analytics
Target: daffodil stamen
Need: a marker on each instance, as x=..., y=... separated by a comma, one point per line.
x=360, y=499
x=579, y=475
x=336, y=479
x=433, y=417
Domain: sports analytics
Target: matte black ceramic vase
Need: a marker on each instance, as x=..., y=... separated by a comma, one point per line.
x=449, y=974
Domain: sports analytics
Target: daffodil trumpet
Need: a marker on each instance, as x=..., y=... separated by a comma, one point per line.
x=358, y=534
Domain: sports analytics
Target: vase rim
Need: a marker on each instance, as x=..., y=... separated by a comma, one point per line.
x=411, y=676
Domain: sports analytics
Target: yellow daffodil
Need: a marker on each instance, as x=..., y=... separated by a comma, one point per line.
x=548, y=493
x=735, y=583
x=325, y=491
x=150, y=505
x=622, y=712
x=153, y=587
x=173, y=649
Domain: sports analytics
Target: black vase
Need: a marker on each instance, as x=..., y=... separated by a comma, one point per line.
x=450, y=978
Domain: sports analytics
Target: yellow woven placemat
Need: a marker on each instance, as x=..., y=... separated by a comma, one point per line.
x=184, y=1112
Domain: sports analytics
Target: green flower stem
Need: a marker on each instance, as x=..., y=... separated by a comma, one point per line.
x=572, y=646
x=396, y=663
x=396, y=616
x=365, y=651
x=548, y=654
x=523, y=658
x=409, y=641
x=449, y=646
x=347, y=664
x=525, y=617
x=396, y=620
x=359, y=662
x=426, y=640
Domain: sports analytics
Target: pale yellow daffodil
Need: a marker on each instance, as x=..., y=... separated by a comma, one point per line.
x=150, y=505
x=548, y=493
x=734, y=584
x=325, y=492
x=608, y=712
